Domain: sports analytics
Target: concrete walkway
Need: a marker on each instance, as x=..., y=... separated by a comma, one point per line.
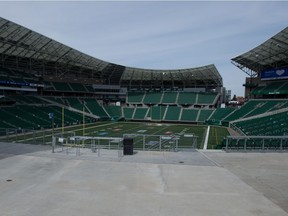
x=265, y=172
x=38, y=182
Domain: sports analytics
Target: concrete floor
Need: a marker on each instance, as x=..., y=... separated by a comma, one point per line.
x=265, y=172
x=33, y=181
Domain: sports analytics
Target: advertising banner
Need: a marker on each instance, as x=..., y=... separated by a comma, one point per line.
x=274, y=74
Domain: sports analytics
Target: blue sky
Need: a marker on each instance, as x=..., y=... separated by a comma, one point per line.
x=157, y=35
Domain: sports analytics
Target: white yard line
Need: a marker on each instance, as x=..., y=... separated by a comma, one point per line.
x=206, y=138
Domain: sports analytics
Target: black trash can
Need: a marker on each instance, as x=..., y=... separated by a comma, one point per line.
x=128, y=146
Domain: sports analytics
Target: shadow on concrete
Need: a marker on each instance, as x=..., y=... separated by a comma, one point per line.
x=12, y=149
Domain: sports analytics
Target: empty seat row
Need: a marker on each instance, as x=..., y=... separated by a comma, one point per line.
x=172, y=98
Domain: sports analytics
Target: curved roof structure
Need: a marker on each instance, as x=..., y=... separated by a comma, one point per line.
x=32, y=52
x=271, y=54
x=193, y=77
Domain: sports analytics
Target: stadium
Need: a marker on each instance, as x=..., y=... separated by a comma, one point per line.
x=54, y=97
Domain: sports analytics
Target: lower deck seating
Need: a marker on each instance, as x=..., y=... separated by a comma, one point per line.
x=128, y=112
x=204, y=115
x=74, y=102
x=256, y=107
x=173, y=113
x=140, y=113
x=189, y=115
x=36, y=117
x=94, y=107
x=156, y=113
x=271, y=125
x=113, y=111
x=220, y=113
x=32, y=112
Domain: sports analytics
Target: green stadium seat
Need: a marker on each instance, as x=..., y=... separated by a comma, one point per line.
x=221, y=113
x=274, y=87
x=156, y=113
x=189, y=115
x=78, y=87
x=128, y=112
x=169, y=97
x=76, y=103
x=173, y=113
x=135, y=97
x=61, y=86
x=207, y=98
x=113, y=111
x=140, y=113
x=270, y=125
x=256, y=107
x=152, y=98
x=89, y=88
x=187, y=98
x=94, y=107
x=204, y=115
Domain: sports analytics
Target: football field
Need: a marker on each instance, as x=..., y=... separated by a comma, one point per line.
x=183, y=133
